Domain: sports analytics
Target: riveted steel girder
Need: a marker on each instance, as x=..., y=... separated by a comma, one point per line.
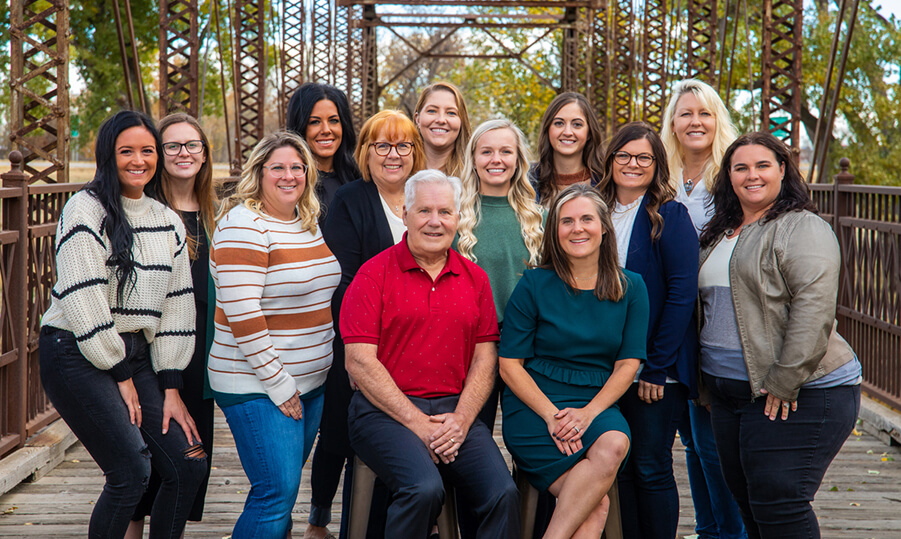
x=179, y=60
x=39, y=78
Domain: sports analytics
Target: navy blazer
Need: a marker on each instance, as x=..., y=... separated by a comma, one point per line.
x=669, y=267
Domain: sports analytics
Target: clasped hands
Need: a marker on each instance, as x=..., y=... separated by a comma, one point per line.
x=567, y=426
x=442, y=434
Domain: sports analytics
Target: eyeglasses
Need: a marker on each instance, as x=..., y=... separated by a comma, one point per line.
x=174, y=148
x=278, y=170
x=644, y=160
x=384, y=148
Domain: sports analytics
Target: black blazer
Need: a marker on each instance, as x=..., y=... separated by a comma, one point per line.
x=355, y=230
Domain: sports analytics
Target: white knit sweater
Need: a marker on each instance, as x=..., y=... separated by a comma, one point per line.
x=161, y=303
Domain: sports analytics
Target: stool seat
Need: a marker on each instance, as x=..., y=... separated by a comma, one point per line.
x=361, y=500
x=528, y=496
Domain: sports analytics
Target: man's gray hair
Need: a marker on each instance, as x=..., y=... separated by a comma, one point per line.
x=431, y=176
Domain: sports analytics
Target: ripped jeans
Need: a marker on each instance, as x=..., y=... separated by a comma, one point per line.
x=88, y=400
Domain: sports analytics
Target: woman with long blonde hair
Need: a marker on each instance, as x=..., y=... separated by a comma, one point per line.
x=697, y=131
x=500, y=222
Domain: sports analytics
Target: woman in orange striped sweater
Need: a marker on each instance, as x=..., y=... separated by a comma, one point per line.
x=272, y=349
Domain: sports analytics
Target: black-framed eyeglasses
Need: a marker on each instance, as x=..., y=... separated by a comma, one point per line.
x=174, y=148
x=384, y=148
x=278, y=170
x=644, y=160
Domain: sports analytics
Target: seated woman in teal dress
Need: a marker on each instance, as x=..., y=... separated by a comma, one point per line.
x=575, y=332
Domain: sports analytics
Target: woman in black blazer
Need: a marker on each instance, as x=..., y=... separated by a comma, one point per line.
x=364, y=219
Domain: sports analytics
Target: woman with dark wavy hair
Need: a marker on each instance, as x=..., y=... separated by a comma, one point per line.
x=120, y=330
x=783, y=385
x=570, y=147
x=321, y=115
x=656, y=239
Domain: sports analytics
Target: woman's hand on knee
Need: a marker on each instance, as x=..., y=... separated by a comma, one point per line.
x=567, y=447
x=174, y=408
x=130, y=396
x=571, y=423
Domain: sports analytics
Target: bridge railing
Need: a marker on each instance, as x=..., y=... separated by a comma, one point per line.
x=867, y=222
x=28, y=217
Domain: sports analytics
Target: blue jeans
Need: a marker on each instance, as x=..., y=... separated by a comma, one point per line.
x=774, y=468
x=88, y=400
x=649, y=498
x=273, y=449
x=479, y=474
x=716, y=513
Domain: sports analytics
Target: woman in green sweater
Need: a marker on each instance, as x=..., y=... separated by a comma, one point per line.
x=500, y=222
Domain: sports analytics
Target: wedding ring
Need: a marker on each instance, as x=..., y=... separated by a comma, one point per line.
x=576, y=429
x=452, y=441
x=785, y=405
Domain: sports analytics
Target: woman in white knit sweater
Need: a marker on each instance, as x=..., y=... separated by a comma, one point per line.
x=119, y=331
x=272, y=348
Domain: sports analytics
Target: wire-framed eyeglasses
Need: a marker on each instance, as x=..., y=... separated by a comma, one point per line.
x=278, y=170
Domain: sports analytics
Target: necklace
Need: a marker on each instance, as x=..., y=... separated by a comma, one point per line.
x=585, y=278
x=689, y=185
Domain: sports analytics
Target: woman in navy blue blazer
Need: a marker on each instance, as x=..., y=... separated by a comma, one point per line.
x=656, y=239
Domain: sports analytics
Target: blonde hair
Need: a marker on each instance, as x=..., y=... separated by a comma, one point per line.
x=722, y=138
x=456, y=162
x=396, y=126
x=249, y=189
x=521, y=195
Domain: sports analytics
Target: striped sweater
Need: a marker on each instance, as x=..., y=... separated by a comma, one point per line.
x=161, y=303
x=274, y=284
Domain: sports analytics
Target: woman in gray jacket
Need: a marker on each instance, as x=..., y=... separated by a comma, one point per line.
x=784, y=387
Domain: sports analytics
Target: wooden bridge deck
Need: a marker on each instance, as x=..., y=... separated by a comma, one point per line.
x=860, y=496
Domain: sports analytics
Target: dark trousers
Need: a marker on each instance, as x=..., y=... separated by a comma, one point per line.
x=88, y=400
x=774, y=468
x=400, y=459
x=649, y=498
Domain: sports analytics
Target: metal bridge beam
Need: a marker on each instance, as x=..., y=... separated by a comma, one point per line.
x=179, y=57
x=702, y=33
x=39, y=78
x=781, y=97
x=250, y=72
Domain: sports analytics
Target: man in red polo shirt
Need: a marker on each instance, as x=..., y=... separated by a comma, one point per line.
x=420, y=333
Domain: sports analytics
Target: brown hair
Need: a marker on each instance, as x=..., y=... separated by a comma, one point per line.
x=592, y=153
x=660, y=190
x=203, y=182
x=609, y=285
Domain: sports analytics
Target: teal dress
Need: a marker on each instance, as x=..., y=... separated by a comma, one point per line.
x=570, y=341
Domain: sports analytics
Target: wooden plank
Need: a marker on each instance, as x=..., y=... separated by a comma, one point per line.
x=852, y=502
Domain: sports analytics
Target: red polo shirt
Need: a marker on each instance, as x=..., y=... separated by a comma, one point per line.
x=426, y=331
